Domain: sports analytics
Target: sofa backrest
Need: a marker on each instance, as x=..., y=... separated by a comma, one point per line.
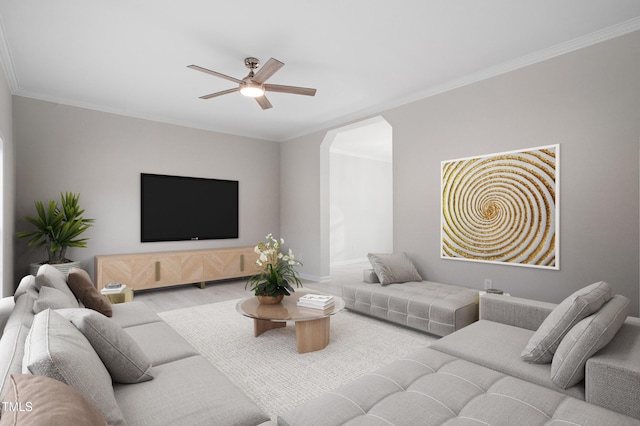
x=16, y=330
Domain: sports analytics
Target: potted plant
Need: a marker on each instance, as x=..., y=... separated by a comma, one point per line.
x=57, y=228
x=276, y=274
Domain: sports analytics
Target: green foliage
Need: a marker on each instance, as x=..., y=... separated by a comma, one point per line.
x=57, y=227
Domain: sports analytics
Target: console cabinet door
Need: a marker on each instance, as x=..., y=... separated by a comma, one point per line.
x=156, y=272
x=226, y=264
x=112, y=271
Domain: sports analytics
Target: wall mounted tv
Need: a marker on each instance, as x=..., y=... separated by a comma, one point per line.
x=178, y=208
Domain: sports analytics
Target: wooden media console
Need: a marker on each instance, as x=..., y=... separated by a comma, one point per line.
x=141, y=271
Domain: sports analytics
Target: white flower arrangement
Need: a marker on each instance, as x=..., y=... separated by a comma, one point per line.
x=276, y=269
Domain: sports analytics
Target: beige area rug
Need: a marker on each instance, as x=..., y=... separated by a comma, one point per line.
x=269, y=369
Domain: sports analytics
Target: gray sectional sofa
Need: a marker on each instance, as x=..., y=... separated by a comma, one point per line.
x=132, y=367
x=477, y=375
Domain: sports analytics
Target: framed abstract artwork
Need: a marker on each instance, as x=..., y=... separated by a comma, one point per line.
x=502, y=208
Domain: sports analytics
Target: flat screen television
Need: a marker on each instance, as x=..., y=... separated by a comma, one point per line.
x=178, y=208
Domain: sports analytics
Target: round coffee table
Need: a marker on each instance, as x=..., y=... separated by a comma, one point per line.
x=312, y=325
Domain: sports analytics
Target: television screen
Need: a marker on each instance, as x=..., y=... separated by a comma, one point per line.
x=177, y=208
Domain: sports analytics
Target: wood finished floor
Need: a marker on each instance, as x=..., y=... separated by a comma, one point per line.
x=186, y=296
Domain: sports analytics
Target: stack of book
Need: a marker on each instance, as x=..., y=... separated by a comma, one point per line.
x=316, y=301
x=113, y=288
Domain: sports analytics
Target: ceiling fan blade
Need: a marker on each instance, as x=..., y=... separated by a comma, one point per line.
x=264, y=102
x=224, y=92
x=290, y=89
x=217, y=74
x=267, y=70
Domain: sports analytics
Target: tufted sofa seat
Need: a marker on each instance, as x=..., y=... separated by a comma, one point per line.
x=429, y=387
x=436, y=308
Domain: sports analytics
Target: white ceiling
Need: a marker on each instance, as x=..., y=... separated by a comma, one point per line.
x=363, y=56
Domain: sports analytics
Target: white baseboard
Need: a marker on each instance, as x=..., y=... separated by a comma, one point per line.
x=315, y=278
x=348, y=262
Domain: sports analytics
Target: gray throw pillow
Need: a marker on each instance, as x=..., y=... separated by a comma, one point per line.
x=585, y=339
x=123, y=357
x=51, y=277
x=393, y=268
x=56, y=349
x=577, y=306
x=50, y=298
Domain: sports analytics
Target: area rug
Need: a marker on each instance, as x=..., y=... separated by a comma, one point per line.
x=269, y=369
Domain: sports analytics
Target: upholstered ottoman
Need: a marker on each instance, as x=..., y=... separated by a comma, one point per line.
x=436, y=308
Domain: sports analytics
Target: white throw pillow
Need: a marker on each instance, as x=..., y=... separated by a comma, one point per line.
x=577, y=306
x=585, y=339
x=393, y=268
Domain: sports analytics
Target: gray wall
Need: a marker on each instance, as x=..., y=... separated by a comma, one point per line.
x=588, y=101
x=100, y=155
x=8, y=192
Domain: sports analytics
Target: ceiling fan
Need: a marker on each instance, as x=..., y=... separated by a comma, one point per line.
x=253, y=85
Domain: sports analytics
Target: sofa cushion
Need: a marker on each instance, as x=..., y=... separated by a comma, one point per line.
x=427, y=388
x=56, y=349
x=51, y=298
x=498, y=346
x=133, y=313
x=123, y=357
x=82, y=287
x=189, y=391
x=585, y=339
x=40, y=400
x=393, y=268
x=580, y=304
x=51, y=277
x=160, y=342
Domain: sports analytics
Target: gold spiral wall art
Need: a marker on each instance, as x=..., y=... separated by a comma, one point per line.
x=502, y=208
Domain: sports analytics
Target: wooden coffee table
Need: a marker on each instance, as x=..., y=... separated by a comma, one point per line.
x=312, y=325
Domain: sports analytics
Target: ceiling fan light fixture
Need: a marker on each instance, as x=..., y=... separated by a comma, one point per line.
x=252, y=90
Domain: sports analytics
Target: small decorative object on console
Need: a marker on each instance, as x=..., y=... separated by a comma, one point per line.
x=112, y=288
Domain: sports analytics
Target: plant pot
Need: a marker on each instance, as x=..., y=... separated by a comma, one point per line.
x=62, y=267
x=270, y=300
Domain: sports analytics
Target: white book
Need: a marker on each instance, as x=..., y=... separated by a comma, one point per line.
x=315, y=305
x=320, y=308
x=316, y=299
x=114, y=290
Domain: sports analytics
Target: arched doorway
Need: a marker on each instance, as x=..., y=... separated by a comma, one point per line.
x=356, y=193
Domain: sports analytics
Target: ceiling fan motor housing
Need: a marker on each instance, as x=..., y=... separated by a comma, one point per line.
x=251, y=63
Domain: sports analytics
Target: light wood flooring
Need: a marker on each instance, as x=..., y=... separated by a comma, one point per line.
x=185, y=296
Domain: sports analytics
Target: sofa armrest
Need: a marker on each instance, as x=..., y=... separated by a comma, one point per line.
x=516, y=311
x=612, y=376
x=6, y=306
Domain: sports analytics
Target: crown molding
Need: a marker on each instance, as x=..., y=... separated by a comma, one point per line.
x=605, y=34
